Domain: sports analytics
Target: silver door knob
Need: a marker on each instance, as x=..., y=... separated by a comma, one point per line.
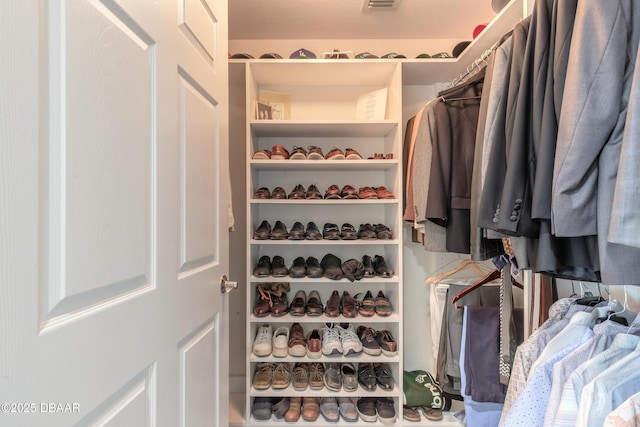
x=227, y=285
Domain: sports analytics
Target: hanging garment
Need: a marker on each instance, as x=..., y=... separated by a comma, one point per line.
x=625, y=415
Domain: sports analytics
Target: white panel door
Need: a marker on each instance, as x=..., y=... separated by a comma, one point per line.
x=113, y=212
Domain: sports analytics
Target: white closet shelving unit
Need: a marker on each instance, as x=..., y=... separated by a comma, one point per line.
x=323, y=103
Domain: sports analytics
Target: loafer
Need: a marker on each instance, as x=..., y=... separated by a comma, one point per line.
x=313, y=192
x=329, y=409
x=278, y=269
x=384, y=376
x=261, y=408
x=261, y=155
x=314, y=304
x=262, y=193
x=382, y=305
x=369, y=341
x=367, y=377
x=279, y=231
x=332, y=378
x=381, y=267
x=348, y=192
x=382, y=232
x=330, y=231
x=333, y=154
x=280, y=304
x=313, y=232
x=367, y=232
x=298, y=153
x=314, y=349
x=367, y=306
x=333, y=192
x=348, y=232
x=298, y=269
x=386, y=411
x=314, y=269
x=349, y=377
x=367, y=193
x=297, y=231
x=348, y=305
x=297, y=192
x=351, y=154
x=315, y=153
x=278, y=152
x=368, y=270
x=278, y=193
x=297, y=345
x=299, y=303
x=332, y=309
x=263, y=232
x=263, y=268
x=382, y=192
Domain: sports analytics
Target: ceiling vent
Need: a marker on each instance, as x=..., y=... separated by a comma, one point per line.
x=379, y=5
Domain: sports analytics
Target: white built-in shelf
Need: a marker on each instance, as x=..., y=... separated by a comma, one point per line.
x=323, y=242
x=326, y=202
x=324, y=165
x=325, y=128
x=360, y=392
x=360, y=320
x=305, y=280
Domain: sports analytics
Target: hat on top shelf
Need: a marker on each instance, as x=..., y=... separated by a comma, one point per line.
x=241, y=56
x=302, y=54
x=270, y=55
x=459, y=48
x=366, y=55
x=392, y=55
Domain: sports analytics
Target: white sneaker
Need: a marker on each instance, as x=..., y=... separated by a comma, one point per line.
x=262, y=343
x=281, y=342
x=331, y=345
x=351, y=344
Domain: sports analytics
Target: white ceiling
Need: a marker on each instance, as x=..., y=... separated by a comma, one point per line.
x=344, y=19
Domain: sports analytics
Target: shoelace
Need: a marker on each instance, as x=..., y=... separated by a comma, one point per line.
x=265, y=367
x=264, y=335
x=369, y=335
x=348, y=335
x=316, y=370
x=301, y=372
x=283, y=369
x=265, y=295
x=330, y=334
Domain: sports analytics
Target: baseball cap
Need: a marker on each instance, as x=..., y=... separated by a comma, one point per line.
x=241, y=56
x=366, y=55
x=459, y=48
x=441, y=55
x=270, y=55
x=302, y=54
x=478, y=29
x=393, y=55
x=423, y=55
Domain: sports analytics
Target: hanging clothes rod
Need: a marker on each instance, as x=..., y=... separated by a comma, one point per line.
x=474, y=65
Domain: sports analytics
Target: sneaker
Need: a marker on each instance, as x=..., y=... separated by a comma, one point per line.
x=388, y=345
x=315, y=153
x=348, y=192
x=297, y=345
x=280, y=408
x=367, y=232
x=381, y=192
x=330, y=231
x=278, y=269
x=386, y=411
x=297, y=231
x=348, y=409
x=333, y=154
x=313, y=232
x=349, y=377
x=351, y=345
x=300, y=377
x=279, y=231
x=298, y=153
x=332, y=378
x=261, y=155
x=262, y=344
x=263, y=268
x=382, y=232
x=331, y=343
x=261, y=408
x=367, y=306
x=367, y=409
x=348, y=232
x=314, y=344
x=351, y=154
x=313, y=193
x=329, y=409
x=316, y=376
x=369, y=341
x=263, y=375
x=281, y=342
x=314, y=269
x=298, y=268
x=367, y=376
x=281, y=376
x=278, y=152
x=382, y=304
x=384, y=376
x=367, y=193
x=263, y=232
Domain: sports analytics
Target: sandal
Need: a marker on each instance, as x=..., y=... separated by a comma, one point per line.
x=432, y=414
x=410, y=413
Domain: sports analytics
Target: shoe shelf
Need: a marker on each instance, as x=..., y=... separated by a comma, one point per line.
x=324, y=202
x=327, y=128
x=324, y=165
x=290, y=391
x=324, y=242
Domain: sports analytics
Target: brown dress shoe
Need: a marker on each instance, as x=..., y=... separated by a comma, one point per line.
x=278, y=152
x=314, y=304
x=349, y=305
x=299, y=303
x=262, y=306
x=332, y=309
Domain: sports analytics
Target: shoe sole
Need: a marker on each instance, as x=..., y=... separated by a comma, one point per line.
x=352, y=352
x=353, y=157
x=277, y=157
x=280, y=352
x=298, y=156
x=315, y=156
x=372, y=351
x=387, y=420
x=389, y=353
x=261, y=353
x=333, y=352
x=334, y=157
x=297, y=351
x=333, y=388
x=349, y=236
x=367, y=418
x=314, y=355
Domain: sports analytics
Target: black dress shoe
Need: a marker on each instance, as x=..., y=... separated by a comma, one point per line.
x=366, y=232
x=330, y=231
x=332, y=266
x=382, y=231
x=381, y=268
x=279, y=231
x=263, y=269
x=313, y=232
x=368, y=270
x=384, y=376
x=263, y=232
x=348, y=232
x=367, y=376
x=278, y=193
x=298, y=268
x=297, y=231
x=314, y=269
x=278, y=269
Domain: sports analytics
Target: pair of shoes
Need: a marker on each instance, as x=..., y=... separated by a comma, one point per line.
x=379, y=305
x=371, y=409
x=265, y=193
x=346, y=192
x=299, y=192
x=338, y=154
x=345, y=305
x=372, y=375
x=265, y=232
x=331, y=231
x=298, y=231
x=269, y=301
x=340, y=339
x=306, y=268
x=307, y=375
x=274, y=375
x=301, y=306
x=269, y=342
x=381, y=156
x=339, y=375
x=376, y=342
x=271, y=267
x=374, y=193
x=375, y=231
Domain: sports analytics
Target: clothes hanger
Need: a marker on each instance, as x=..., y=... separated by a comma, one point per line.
x=489, y=277
x=624, y=316
x=587, y=298
x=465, y=264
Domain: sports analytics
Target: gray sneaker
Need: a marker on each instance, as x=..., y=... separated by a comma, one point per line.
x=367, y=409
x=386, y=410
x=332, y=378
x=348, y=409
x=261, y=408
x=369, y=342
x=329, y=409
